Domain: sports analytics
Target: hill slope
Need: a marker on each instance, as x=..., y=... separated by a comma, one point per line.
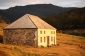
x=41, y=10
x=2, y=25
x=74, y=19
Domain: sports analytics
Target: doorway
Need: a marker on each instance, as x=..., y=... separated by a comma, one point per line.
x=48, y=40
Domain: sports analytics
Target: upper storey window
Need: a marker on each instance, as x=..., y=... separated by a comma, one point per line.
x=40, y=32
x=44, y=32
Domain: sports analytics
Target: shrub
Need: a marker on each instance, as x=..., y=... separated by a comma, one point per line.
x=75, y=32
x=30, y=53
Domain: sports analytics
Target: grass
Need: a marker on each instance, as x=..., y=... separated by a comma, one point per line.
x=10, y=50
x=72, y=44
x=30, y=53
x=67, y=45
x=2, y=53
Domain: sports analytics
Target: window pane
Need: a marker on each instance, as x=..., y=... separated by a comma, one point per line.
x=44, y=32
x=40, y=32
x=54, y=32
x=41, y=39
x=51, y=32
x=44, y=39
x=51, y=38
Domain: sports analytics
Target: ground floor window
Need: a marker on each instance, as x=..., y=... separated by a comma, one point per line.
x=41, y=39
x=51, y=38
x=44, y=39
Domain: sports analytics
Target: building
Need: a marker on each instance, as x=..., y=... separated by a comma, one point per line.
x=30, y=30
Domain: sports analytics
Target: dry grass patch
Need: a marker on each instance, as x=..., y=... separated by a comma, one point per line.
x=67, y=45
x=74, y=45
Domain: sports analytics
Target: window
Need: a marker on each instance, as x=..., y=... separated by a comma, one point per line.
x=44, y=32
x=40, y=32
x=44, y=39
x=54, y=32
x=51, y=38
x=51, y=32
x=54, y=40
x=41, y=39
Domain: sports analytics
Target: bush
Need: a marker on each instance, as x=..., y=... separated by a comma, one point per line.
x=75, y=32
x=1, y=38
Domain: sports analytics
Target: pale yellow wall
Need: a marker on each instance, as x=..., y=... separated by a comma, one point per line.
x=47, y=33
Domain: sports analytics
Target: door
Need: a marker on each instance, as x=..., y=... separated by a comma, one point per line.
x=48, y=40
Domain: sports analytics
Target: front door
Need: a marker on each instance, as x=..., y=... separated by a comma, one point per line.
x=48, y=40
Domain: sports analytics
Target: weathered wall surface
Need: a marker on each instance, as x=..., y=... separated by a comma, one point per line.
x=20, y=36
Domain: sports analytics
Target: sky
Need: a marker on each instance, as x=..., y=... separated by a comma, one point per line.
x=5, y=4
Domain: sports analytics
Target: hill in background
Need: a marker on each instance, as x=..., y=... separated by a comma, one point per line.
x=73, y=19
x=41, y=10
x=67, y=45
x=59, y=17
x=2, y=25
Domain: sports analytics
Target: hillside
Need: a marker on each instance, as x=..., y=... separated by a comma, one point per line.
x=41, y=10
x=1, y=20
x=67, y=45
x=74, y=19
x=2, y=25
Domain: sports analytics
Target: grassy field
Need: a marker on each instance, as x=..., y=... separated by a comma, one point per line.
x=67, y=45
x=73, y=45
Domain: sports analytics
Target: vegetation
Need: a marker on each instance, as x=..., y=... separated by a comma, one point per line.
x=65, y=18
x=17, y=50
x=78, y=32
x=67, y=45
x=73, y=19
x=71, y=22
x=2, y=53
x=41, y=10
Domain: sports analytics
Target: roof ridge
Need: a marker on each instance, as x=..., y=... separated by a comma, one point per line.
x=41, y=23
x=32, y=21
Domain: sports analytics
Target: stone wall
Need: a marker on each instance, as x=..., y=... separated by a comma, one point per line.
x=20, y=36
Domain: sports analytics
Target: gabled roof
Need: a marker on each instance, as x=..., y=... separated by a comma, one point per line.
x=29, y=21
